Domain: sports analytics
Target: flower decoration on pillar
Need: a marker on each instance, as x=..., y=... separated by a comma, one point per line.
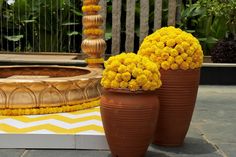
x=93, y=45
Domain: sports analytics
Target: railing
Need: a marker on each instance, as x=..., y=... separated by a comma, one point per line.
x=72, y=39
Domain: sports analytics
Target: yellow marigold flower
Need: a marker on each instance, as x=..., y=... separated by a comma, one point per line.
x=165, y=55
x=155, y=77
x=141, y=80
x=160, y=45
x=148, y=74
x=178, y=40
x=152, y=67
x=189, y=59
x=153, y=57
x=126, y=76
x=171, y=60
x=133, y=85
x=178, y=60
x=128, y=61
x=158, y=52
x=147, y=86
x=190, y=51
x=115, y=84
x=115, y=65
x=111, y=75
x=124, y=84
x=198, y=64
x=184, y=56
x=118, y=77
x=153, y=86
x=159, y=60
x=170, y=43
x=174, y=66
x=136, y=72
x=141, y=66
x=174, y=53
x=164, y=39
x=179, y=48
x=157, y=37
x=130, y=67
x=165, y=65
x=192, y=65
x=122, y=68
x=184, y=65
x=185, y=45
x=106, y=83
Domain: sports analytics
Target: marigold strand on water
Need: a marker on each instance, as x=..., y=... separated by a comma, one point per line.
x=172, y=48
x=132, y=72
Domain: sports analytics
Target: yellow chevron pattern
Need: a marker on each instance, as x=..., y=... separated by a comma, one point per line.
x=83, y=121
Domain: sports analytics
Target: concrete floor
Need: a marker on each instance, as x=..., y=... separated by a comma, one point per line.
x=212, y=132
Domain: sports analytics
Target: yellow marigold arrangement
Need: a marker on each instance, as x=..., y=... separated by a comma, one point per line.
x=131, y=71
x=172, y=48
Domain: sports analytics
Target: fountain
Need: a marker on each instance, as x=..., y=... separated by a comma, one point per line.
x=26, y=90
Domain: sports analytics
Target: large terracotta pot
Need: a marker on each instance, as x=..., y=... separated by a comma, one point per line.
x=177, y=98
x=129, y=120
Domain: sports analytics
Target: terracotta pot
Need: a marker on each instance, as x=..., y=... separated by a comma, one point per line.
x=129, y=120
x=177, y=98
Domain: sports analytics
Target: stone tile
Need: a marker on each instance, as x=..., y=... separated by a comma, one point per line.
x=11, y=152
x=228, y=149
x=67, y=153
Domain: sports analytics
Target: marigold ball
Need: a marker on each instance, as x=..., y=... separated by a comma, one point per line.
x=131, y=71
x=172, y=48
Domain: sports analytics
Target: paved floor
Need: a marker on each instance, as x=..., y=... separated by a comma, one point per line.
x=212, y=132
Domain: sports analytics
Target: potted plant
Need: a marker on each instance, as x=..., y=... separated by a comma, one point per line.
x=180, y=57
x=129, y=105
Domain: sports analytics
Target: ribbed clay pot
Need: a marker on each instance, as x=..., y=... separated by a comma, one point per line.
x=177, y=98
x=129, y=120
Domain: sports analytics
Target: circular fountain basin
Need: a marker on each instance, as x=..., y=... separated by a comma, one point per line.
x=23, y=87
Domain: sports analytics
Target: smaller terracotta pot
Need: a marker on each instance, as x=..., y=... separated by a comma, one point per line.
x=129, y=121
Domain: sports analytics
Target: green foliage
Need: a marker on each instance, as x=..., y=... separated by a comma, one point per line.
x=36, y=25
x=209, y=20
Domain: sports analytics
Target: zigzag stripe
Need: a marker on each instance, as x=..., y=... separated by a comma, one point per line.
x=51, y=117
x=61, y=124
x=49, y=127
x=78, y=115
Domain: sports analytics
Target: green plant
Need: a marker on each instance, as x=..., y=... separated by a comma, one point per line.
x=35, y=25
x=209, y=20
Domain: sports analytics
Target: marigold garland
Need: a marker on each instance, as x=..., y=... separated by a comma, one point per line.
x=93, y=32
x=89, y=2
x=49, y=110
x=132, y=72
x=94, y=60
x=91, y=8
x=172, y=48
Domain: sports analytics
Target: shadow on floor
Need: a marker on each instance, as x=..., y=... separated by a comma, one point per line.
x=191, y=146
x=151, y=154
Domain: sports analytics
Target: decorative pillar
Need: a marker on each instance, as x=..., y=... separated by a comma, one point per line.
x=93, y=44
